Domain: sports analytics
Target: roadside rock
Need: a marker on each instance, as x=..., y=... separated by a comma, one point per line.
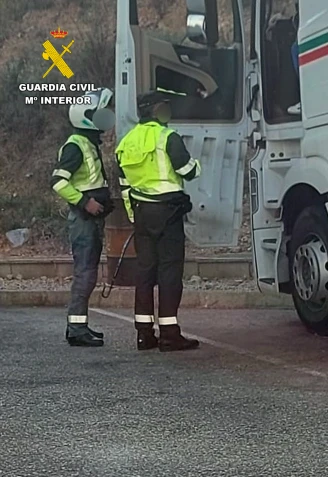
x=18, y=237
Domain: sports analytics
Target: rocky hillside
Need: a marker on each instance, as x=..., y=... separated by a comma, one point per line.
x=30, y=134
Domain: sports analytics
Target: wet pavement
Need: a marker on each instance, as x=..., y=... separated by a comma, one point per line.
x=251, y=401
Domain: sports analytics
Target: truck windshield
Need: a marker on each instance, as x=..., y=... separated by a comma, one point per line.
x=210, y=76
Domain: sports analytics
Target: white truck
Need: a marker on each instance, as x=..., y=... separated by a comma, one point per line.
x=239, y=95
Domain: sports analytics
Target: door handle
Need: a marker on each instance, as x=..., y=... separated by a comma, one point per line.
x=185, y=59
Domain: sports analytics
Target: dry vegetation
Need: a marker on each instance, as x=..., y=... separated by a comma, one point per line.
x=30, y=135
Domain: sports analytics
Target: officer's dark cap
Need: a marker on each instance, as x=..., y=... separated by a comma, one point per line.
x=151, y=98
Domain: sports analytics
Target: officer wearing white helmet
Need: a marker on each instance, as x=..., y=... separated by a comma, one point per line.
x=80, y=180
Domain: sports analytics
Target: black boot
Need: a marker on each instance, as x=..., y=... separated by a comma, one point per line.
x=146, y=338
x=94, y=333
x=172, y=340
x=97, y=334
x=81, y=336
x=87, y=340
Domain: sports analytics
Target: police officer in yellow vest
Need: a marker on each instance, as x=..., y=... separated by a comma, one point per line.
x=80, y=180
x=153, y=163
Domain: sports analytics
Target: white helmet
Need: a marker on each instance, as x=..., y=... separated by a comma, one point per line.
x=93, y=116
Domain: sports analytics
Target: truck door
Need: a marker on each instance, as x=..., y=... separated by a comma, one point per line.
x=198, y=49
x=278, y=135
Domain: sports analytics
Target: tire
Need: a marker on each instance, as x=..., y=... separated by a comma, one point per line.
x=308, y=260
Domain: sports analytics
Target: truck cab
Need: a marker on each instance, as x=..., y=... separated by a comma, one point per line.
x=244, y=97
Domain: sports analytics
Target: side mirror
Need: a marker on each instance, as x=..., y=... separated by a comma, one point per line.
x=196, y=28
x=202, y=21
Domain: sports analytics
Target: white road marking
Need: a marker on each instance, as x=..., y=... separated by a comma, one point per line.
x=227, y=347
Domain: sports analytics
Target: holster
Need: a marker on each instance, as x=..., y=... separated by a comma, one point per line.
x=180, y=206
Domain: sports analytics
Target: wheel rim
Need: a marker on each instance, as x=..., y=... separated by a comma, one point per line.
x=310, y=272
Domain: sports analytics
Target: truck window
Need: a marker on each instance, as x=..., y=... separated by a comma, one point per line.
x=209, y=76
x=281, y=88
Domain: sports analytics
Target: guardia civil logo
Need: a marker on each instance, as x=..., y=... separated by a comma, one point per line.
x=52, y=54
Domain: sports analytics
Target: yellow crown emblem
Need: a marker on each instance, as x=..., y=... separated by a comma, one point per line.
x=59, y=33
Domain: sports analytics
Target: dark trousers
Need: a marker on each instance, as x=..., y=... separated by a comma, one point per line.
x=295, y=52
x=160, y=248
x=86, y=237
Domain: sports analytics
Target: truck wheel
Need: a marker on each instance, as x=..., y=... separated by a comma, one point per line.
x=309, y=268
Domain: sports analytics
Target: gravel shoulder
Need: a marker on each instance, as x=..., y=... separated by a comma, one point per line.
x=195, y=283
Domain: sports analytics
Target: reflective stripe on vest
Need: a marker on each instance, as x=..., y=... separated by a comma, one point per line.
x=146, y=165
x=165, y=166
x=89, y=175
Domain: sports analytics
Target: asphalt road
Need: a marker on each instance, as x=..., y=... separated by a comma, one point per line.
x=251, y=402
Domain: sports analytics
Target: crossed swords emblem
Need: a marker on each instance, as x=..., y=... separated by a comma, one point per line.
x=51, y=53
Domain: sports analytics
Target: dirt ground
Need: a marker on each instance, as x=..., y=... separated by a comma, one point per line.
x=52, y=247
x=24, y=178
